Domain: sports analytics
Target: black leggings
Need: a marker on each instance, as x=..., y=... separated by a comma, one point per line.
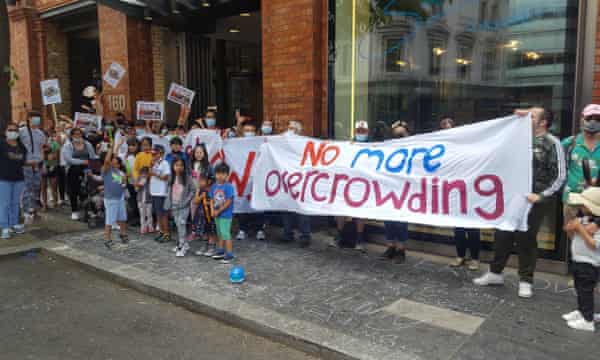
x=62, y=182
x=75, y=179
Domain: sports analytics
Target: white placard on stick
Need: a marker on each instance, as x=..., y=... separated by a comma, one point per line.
x=114, y=74
x=181, y=95
x=88, y=122
x=153, y=111
x=50, y=92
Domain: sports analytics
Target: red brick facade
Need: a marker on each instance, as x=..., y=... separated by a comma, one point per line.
x=596, y=88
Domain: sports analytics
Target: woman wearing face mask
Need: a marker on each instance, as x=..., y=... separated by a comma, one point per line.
x=13, y=155
x=396, y=232
x=267, y=128
x=77, y=154
x=34, y=139
x=361, y=135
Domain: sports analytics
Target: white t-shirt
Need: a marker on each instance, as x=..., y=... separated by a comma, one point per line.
x=159, y=187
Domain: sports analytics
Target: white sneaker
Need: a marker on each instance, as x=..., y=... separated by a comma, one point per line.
x=489, y=278
x=181, y=252
x=241, y=235
x=75, y=216
x=6, y=233
x=360, y=247
x=525, y=290
x=581, y=324
x=260, y=235
x=573, y=315
x=19, y=229
x=175, y=248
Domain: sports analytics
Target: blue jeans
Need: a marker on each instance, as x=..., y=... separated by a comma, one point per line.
x=10, y=196
x=467, y=239
x=303, y=225
x=396, y=232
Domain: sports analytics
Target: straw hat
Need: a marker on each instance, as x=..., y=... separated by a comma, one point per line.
x=590, y=198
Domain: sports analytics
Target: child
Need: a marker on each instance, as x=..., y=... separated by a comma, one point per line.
x=144, y=157
x=180, y=194
x=585, y=254
x=50, y=171
x=128, y=159
x=176, y=151
x=159, y=176
x=115, y=183
x=144, y=201
x=204, y=223
x=222, y=194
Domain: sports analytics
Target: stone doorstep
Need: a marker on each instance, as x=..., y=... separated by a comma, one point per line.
x=302, y=335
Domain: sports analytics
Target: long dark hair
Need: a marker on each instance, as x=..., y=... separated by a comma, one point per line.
x=205, y=163
x=177, y=159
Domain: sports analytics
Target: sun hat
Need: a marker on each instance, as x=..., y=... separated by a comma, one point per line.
x=590, y=198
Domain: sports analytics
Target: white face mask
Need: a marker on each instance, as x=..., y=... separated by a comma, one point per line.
x=267, y=130
x=12, y=135
x=290, y=132
x=249, y=134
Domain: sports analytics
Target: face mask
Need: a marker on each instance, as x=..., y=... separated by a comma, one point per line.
x=164, y=132
x=591, y=126
x=36, y=121
x=211, y=122
x=76, y=140
x=362, y=137
x=12, y=135
x=290, y=133
x=267, y=130
x=249, y=134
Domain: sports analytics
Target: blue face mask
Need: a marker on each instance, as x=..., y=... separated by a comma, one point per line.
x=267, y=130
x=36, y=121
x=211, y=122
x=361, y=137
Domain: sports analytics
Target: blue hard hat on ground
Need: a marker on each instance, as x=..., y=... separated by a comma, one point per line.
x=237, y=275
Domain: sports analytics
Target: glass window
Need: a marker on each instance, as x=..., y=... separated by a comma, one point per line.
x=416, y=60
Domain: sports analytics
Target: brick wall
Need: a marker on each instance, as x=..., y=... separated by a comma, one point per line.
x=57, y=66
x=293, y=76
x=158, y=60
x=596, y=86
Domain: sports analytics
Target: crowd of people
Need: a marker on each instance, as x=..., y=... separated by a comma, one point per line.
x=123, y=173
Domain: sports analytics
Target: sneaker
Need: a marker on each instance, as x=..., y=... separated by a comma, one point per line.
x=124, y=239
x=360, y=247
x=210, y=252
x=473, y=265
x=181, y=251
x=108, y=244
x=201, y=252
x=165, y=239
x=458, y=262
x=28, y=218
x=525, y=290
x=75, y=216
x=5, y=234
x=574, y=315
x=158, y=238
x=400, y=256
x=219, y=255
x=581, y=324
x=241, y=235
x=260, y=235
x=175, y=248
x=389, y=254
x=336, y=241
x=19, y=229
x=489, y=278
x=227, y=259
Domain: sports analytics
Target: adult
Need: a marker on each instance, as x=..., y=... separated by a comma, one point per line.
x=583, y=157
x=361, y=135
x=396, y=232
x=464, y=239
x=13, y=156
x=295, y=128
x=548, y=177
x=34, y=140
x=77, y=154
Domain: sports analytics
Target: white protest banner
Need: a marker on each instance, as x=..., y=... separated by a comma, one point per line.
x=114, y=74
x=50, y=92
x=164, y=141
x=153, y=111
x=241, y=155
x=210, y=138
x=88, y=122
x=181, y=95
x=475, y=176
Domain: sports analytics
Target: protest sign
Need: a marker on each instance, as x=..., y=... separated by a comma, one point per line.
x=475, y=176
x=181, y=95
x=88, y=122
x=50, y=92
x=241, y=155
x=114, y=74
x=153, y=111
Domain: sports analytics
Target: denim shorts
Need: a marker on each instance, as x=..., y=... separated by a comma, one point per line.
x=158, y=205
x=115, y=211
